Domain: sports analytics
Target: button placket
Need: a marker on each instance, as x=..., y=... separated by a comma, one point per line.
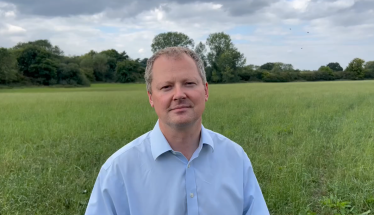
x=192, y=204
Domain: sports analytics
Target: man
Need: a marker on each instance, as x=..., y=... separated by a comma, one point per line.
x=178, y=168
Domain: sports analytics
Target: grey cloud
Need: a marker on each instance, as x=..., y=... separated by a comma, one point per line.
x=62, y=7
x=75, y=26
x=235, y=8
x=363, y=5
x=122, y=8
x=131, y=9
x=352, y=19
x=333, y=11
x=361, y=12
x=247, y=7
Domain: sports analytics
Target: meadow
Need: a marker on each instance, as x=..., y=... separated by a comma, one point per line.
x=311, y=144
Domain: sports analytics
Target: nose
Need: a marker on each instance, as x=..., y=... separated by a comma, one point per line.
x=179, y=93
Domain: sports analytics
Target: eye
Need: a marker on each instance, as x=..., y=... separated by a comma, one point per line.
x=165, y=87
x=190, y=83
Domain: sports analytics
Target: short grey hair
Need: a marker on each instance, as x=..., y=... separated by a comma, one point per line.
x=174, y=52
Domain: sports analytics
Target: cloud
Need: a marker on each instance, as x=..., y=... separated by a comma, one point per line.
x=9, y=29
x=123, y=8
x=300, y=4
x=340, y=30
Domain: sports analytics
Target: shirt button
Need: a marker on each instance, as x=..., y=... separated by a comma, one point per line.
x=191, y=195
x=188, y=166
x=174, y=153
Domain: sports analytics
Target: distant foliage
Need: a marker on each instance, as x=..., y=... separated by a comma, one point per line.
x=41, y=63
x=355, y=69
x=369, y=70
x=71, y=74
x=38, y=65
x=224, y=60
x=171, y=39
x=8, y=67
x=335, y=67
x=267, y=66
x=44, y=44
x=129, y=71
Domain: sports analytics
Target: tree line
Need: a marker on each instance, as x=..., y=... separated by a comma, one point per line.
x=41, y=63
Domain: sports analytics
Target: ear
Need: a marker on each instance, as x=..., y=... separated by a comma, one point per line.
x=206, y=91
x=150, y=99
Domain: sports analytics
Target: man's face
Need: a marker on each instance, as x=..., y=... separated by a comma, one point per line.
x=178, y=93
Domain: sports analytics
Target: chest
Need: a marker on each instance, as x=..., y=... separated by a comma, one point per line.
x=196, y=187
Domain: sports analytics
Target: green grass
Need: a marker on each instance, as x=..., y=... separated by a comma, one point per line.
x=311, y=144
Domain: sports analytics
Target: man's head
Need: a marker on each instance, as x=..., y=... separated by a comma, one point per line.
x=177, y=87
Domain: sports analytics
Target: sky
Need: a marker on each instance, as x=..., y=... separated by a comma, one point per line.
x=264, y=30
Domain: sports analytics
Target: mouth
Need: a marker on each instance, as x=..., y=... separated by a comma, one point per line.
x=180, y=107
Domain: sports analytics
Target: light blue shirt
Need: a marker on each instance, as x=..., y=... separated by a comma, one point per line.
x=147, y=177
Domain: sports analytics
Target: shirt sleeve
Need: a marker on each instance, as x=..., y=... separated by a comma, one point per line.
x=254, y=202
x=108, y=195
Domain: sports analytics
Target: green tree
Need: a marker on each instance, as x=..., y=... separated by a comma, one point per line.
x=71, y=59
x=355, y=69
x=335, y=67
x=44, y=44
x=129, y=71
x=280, y=67
x=8, y=71
x=287, y=67
x=86, y=66
x=113, y=57
x=369, y=70
x=171, y=39
x=325, y=73
x=111, y=69
x=245, y=73
x=71, y=74
x=229, y=63
x=218, y=43
x=200, y=49
x=216, y=77
x=100, y=66
x=38, y=65
x=143, y=62
x=250, y=73
x=223, y=58
x=267, y=66
x=116, y=55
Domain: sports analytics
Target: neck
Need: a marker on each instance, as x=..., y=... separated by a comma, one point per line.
x=184, y=140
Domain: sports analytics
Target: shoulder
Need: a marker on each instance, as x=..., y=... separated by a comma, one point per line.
x=224, y=144
x=129, y=152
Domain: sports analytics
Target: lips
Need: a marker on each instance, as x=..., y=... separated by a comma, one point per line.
x=180, y=107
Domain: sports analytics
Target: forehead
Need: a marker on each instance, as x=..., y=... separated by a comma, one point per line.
x=165, y=67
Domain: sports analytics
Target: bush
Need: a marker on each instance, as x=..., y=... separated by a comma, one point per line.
x=8, y=71
x=71, y=74
x=129, y=71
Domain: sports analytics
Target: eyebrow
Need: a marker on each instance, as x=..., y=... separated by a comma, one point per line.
x=171, y=82
x=183, y=80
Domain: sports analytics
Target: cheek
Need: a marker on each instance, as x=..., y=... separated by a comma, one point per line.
x=199, y=98
x=161, y=102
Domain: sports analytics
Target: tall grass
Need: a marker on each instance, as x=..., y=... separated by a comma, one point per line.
x=311, y=144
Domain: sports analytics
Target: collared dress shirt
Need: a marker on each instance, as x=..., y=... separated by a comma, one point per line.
x=147, y=177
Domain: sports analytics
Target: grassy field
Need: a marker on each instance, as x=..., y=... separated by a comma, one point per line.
x=311, y=144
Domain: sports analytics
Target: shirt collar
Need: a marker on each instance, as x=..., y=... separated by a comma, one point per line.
x=160, y=145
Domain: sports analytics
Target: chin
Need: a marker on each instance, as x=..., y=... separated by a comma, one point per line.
x=182, y=122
